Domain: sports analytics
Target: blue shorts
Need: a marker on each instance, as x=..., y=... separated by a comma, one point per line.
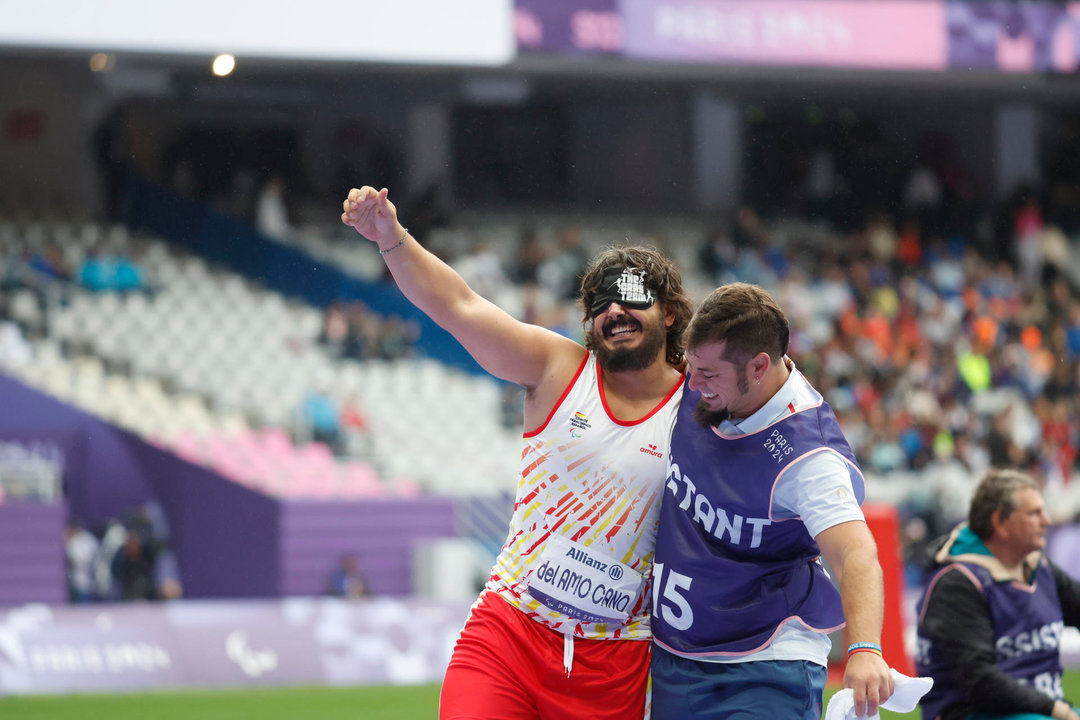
x=685, y=689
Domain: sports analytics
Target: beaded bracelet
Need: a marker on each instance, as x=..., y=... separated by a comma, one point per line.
x=864, y=647
x=400, y=242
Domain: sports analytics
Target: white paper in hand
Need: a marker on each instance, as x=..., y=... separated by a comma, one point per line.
x=907, y=691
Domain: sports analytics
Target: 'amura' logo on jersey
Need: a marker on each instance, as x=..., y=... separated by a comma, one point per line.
x=579, y=424
x=651, y=450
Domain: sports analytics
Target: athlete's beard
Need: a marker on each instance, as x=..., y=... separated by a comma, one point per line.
x=712, y=418
x=621, y=359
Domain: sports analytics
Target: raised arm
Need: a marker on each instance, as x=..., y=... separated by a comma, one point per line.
x=852, y=554
x=507, y=348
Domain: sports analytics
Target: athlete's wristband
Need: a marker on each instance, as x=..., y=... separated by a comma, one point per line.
x=866, y=650
x=864, y=647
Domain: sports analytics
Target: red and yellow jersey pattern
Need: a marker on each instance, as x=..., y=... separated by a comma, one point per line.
x=579, y=552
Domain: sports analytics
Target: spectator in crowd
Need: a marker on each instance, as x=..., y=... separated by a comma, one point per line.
x=1028, y=225
x=150, y=519
x=335, y=328
x=167, y=581
x=112, y=539
x=15, y=351
x=364, y=329
x=397, y=337
x=560, y=274
x=482, y=269
x=96, y=272
x=356, y=439
x=718, y=255
x=923, y=194
x=100, y=272
x=991, y=618
x=749, y=230
x=80, y=549
x=16, y=269
x=128, y=275
x=531, y=255
x=134, y=561
x=347, y=580
x=48, y=263
x=133, y=566
x=271, y=213
x=321, y=417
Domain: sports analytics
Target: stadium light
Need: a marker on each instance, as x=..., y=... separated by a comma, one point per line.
x=102, y=62
x=224, y=65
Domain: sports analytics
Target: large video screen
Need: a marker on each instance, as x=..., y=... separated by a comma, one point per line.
x=465, y=32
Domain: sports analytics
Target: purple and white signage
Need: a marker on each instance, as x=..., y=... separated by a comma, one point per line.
x=912, y=35
x=569, y=26
x=830, y=33
x=225, y=643
x=1014, y=37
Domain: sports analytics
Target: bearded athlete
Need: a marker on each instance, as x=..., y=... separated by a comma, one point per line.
x=561, y=629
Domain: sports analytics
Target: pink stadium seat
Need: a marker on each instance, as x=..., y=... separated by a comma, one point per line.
x=361, y=480
x=316, y=455
x=268, y=461
x=407, y=488
x=189, y=447
x=234, y=469
x=275, y=439
x=219, y=449
x=322, y=485
x=245, y=442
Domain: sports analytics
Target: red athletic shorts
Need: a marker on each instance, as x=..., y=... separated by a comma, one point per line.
x=508, y=667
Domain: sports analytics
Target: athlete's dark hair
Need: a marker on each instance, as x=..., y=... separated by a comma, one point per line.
x=661, y=276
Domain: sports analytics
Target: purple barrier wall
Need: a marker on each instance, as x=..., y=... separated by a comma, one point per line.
x=382, y=533
x=225, y=536
x=32, y=553
x=101, y=478
x=230, y=542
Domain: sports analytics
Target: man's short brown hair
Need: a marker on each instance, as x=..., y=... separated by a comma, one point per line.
x=746, y=318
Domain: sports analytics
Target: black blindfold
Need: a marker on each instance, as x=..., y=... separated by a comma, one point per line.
x=625, y=286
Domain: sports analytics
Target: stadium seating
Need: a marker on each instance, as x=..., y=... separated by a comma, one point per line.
x=216, y=368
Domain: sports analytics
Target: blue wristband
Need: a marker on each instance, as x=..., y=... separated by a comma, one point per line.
x=863, y=646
